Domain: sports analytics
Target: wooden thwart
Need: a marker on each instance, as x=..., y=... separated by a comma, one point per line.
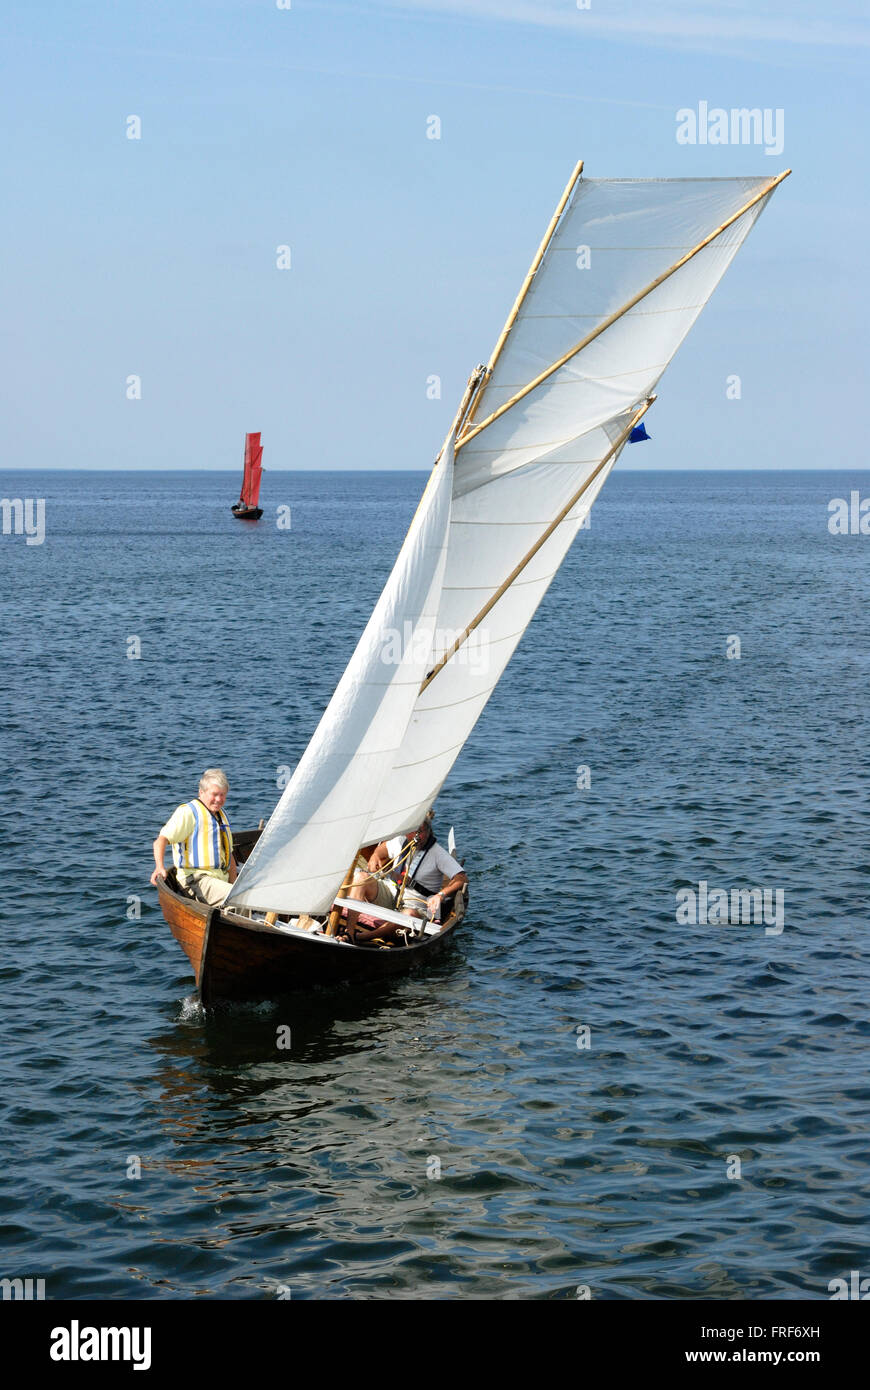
x=381, y=914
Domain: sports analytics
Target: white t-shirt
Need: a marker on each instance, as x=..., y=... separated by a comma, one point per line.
x=437, y=866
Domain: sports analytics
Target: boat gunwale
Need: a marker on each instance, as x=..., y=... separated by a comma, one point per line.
x=203, y=909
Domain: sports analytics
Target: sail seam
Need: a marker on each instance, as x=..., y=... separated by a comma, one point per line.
x=518, y=583
x=539, y=521
x=629, y=314
x=558, y=379
x=421, y=762
x=551, y=444
x=601, y=249
x=751, y=180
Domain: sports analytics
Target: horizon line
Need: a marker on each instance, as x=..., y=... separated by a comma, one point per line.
x=285, y=472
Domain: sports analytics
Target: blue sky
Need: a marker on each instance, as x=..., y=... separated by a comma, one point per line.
x=307, y=127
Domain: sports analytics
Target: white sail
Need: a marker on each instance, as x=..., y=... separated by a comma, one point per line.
x=318, y=825
x=491, y=529
x=627, y=269
x=514, y=476
x=615, y=238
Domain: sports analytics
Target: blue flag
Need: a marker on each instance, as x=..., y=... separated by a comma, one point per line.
x=638, y=433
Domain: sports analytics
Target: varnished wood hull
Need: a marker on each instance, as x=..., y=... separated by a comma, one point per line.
x=233, y=958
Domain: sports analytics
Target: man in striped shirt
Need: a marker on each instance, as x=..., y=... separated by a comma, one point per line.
x=201, y=840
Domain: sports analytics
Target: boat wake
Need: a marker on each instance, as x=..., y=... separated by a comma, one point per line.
x=192, y=1010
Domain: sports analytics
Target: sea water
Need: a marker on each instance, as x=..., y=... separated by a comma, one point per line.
x=587, y=1095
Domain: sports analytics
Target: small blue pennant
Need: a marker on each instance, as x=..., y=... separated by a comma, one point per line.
x=638, y=433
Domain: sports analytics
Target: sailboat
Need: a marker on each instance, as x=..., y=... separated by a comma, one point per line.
x=247, y=508
x=624, y=268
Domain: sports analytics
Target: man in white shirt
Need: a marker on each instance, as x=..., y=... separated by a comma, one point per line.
x=418, y=861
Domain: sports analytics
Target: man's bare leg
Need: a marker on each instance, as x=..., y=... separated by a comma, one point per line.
x=384, y=931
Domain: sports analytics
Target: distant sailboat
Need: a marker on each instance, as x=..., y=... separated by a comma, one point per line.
x=623, y=271
x=247, y=508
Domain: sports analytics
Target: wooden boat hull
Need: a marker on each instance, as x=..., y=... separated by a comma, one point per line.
x=246, y=513
x=234, y=958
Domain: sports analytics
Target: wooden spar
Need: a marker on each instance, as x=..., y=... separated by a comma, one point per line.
x=530, y=554
x=524, y=288
x=473, y=382
x=400, y=891
x=468, y=398
x=400, y=895
x=335, y=914
x=612, y=318
x=406, y=853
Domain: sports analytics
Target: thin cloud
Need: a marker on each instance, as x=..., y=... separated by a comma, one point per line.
x=241, y=60
x=680, y=23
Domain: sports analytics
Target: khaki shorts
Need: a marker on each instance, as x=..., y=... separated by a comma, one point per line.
x=207, y=887
x=413, y=903
x=387, y=892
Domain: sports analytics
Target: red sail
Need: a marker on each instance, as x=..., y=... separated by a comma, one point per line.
x=256, y=475
x=253, y=470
